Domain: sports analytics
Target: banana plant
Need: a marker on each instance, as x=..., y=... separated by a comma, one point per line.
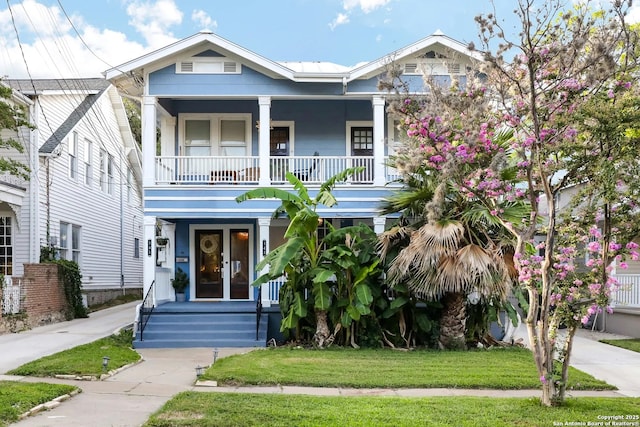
x=300, y=256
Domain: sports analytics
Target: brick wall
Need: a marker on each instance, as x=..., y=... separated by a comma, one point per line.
x=42, y=296
x=43, y=291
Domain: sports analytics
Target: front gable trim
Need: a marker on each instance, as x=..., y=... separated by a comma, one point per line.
x=375, y=67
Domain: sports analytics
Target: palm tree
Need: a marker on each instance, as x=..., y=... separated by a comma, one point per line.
x=300, y=256
x=446, y=246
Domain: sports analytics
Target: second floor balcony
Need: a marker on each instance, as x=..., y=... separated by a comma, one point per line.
x=249, y=170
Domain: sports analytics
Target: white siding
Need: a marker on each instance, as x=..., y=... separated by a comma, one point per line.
x=109, y=223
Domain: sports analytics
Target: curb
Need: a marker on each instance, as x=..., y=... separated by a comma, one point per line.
x=49, y=405
x=96, y=378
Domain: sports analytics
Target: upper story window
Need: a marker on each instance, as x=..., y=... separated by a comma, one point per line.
x=88, y=162
x=73, y=156
x=110, y=167
x=208, y=65
x=216, y=134
x=106, y=172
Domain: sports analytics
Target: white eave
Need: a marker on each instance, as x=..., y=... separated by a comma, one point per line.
x=222, y=45
x=437, y=38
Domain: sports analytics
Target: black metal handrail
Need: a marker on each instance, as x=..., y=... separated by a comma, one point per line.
x=258, y=312
x=146, y=308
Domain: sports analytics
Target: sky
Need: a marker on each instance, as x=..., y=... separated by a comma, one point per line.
x=83, y=38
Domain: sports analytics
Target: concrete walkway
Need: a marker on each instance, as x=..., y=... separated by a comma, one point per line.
x=129, y=397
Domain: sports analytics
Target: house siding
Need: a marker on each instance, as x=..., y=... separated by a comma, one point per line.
x=97, y=213
x=249, y=82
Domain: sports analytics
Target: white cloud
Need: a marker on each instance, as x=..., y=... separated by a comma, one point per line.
x=153, y=20
x=52, y=49
x=203, y=20
x=341, y=19
x=366, y=6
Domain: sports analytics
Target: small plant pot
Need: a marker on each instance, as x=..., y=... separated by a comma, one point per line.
x=181, y=297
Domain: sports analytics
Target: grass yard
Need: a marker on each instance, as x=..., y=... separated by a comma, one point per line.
x=17, y=397
x=85, y=359
x=632, y=344
x=231, y=409
x=500, y=368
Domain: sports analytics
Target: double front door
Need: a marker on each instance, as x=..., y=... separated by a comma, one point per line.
x=222, y=263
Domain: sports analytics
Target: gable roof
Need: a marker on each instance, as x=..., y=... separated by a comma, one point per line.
x=434, y=40
x=93, y=88
x=130, y=75
x=36, y=87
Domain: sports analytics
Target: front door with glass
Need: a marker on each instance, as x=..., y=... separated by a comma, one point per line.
x=222, y=264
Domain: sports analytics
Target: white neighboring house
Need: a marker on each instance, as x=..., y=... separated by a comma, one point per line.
x=84, y=195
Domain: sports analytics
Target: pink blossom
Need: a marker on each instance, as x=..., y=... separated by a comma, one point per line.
x=593, y=247
x=623, y=265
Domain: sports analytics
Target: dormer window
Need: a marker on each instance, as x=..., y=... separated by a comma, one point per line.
x=208, y=65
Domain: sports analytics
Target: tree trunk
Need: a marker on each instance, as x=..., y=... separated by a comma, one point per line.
x=321, y=337
x=453, y=322
x=566, y=351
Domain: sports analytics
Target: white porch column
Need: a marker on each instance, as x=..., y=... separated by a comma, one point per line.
x=263, y=236
x=264, y=135
x=168, y=136
x=379, y=223
x=148, y=141
x=379, y=178
x=149, y=251
x=170, y=232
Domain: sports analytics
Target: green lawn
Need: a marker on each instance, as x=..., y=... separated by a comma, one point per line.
x=632, y=344
x=17, y=398
x=85, y=359
x=231, y=409
x=500, y=368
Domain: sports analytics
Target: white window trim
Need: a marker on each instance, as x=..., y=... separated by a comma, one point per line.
x=88, y=162
x=208, y=60
x=354, y=124
x=214, y=137
x=292, y=132
x=74, y=140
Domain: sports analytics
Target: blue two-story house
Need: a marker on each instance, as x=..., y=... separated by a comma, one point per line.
x=218, y=120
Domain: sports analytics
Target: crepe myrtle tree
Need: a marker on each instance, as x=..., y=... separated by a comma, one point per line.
x=568, y=95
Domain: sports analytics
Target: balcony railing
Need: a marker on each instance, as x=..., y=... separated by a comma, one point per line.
x=628, y=292
x=246, y=170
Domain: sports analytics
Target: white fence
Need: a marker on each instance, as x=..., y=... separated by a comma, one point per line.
x=628, y=292
x=11, y=296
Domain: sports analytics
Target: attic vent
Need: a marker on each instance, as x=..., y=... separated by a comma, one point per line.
x=410, y=68
x=205, y=65
x=453, y=68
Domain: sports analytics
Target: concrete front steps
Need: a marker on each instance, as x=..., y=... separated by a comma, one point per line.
x=203, y=324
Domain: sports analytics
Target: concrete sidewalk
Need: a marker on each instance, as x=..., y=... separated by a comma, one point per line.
x=130, y=396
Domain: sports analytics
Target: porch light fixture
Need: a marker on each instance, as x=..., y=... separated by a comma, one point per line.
x=215, y=355
x=105, y=362
x=199, y=371
x=270, y=124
